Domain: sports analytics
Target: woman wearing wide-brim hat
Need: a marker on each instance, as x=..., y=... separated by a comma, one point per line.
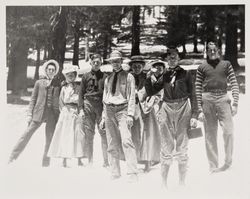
x=145, y=121
x=43, y=107
x=69, y=139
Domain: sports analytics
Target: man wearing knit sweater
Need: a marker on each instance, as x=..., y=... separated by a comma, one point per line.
x=214, y=104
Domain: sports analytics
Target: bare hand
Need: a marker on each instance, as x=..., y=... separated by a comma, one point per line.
x=201, y=117
x=130, y=121
x=29, y=119
x=234, y=110
x=193, y=123
x=102, y=124
x=81, y=114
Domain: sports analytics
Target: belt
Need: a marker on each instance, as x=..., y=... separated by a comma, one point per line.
x=176, y=100
x=116, y=105
x=215, y=91
x=71, y=104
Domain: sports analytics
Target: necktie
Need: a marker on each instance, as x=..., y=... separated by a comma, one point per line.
x=114, y=83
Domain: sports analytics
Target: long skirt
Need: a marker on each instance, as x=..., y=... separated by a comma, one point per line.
x=69, y=139
x=151, y=143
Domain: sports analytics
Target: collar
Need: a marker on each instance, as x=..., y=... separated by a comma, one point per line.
x=117, y=71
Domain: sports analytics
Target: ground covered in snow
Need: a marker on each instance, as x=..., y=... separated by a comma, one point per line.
x=26, y=179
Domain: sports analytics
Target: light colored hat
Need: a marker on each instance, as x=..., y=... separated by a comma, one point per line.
x=153, y=63
x=68, y=68
x=52, y=62
x=114, y=55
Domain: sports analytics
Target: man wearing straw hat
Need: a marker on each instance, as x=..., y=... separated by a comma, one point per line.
x=43, y=107
x=119, y=109
x=90, y=105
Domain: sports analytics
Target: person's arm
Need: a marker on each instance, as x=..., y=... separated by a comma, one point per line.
x=234, y=88
x=192, y=96
x=33, y=99
x=61, y=97
x=153, y=87
x=198, y=88
x=82, y=93
x=131, y=95
x=234, y=85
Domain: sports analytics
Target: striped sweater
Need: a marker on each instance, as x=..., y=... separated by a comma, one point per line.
x=209, y=78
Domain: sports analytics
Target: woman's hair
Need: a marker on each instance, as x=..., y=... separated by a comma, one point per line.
x=53, y=64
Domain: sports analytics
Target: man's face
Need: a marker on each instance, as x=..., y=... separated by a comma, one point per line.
x=173, y=59
x=96, y=64
x=213, y=52
x=137, y=67
x=116, y=63
x=51, y=71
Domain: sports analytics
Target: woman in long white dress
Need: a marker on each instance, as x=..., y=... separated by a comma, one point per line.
x=68, y=140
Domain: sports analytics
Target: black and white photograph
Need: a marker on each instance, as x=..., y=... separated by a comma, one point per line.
x=124, y=100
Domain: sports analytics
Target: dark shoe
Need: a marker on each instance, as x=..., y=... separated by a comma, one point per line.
x=105, y=164
x=80, y=163
x=115, y=177
x=147, y=167
x=223, y=168
x=132, y=178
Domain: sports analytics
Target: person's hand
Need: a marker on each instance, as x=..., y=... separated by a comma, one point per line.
x=201, y=117
x=193, y=123
x=29, y=119
x=130, y=121
x=81, y=113
x=102, y=124
x=234, y=110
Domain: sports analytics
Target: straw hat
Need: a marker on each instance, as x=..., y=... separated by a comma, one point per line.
x=68, y=68
x=114, y=55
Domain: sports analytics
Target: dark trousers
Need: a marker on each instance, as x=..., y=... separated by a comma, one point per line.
x=51, y=119
x=93, y=112
x=217, y=108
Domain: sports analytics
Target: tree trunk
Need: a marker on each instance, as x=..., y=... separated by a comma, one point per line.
x=105, y=46
x=37, y=62
x=195, y=50
x=242, y=37
x=87, y=48
x=136, y=31
x=59, y=29
x=76, y=42
x=231, y=51
x=17, y=75
x=209, y=21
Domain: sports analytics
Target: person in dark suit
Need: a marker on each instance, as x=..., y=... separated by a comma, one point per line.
x=43, y=107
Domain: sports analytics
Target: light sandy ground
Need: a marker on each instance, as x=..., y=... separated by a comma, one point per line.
x=26, y=179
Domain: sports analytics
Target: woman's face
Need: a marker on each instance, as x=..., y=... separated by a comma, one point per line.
x=159, y=69
x=137, y=67
x=51, y=71
x=70, y=77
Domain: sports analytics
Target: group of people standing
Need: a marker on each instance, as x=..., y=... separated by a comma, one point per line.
x=141, y=117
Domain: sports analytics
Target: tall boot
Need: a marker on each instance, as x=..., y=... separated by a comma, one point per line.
x=164, y=174
x=182, y=173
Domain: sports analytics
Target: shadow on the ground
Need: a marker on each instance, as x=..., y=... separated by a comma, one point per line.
x=16, y=99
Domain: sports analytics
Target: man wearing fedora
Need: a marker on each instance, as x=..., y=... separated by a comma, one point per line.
x=119, y=109
x=91, y=107
x=43, y=107
x=176, y=115
x=214, y=104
